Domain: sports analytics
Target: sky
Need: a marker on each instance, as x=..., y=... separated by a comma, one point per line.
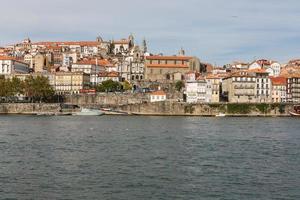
x=216, y=31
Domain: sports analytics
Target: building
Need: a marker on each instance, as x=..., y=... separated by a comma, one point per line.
x=247, y=86
x=137, y=70
x=293, y=88
x=263, y=85
x=170, y=68
x=272, y=67
x=213, y=88
x=278, y=89
x=90, y=67
x=239, y=87
x=104, y=76
x=9, y=65
x=191, y=91
x=71, y=82
x=158, y=96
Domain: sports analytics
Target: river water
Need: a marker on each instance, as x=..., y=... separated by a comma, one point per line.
x=111, y=157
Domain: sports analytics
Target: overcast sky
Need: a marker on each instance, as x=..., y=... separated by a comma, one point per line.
x=217, y=31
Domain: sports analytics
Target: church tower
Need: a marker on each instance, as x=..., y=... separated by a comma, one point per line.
x=144, y=46
x=131, y=40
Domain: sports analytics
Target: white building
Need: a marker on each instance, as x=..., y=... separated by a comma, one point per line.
x=263, y=86
x=10, y=65
x=191, y=91
x=158, y=96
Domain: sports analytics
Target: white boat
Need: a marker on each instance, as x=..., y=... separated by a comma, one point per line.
x=89, y=112
x=221, y=115
x=295, y=112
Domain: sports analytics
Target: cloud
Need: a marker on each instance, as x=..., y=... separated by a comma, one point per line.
x=216, y=31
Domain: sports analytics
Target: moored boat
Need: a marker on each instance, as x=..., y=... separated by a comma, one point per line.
x=296, y=111
x=89, y=112
x=221, y=115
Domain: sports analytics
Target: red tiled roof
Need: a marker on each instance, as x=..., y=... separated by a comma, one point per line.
x=122, y=41
x=278, y=80
x=108, y=74
x=102, y=62
x=258, y=70
x=166, y=66
x=158, y=93
x=68, y=43
x=168, y=58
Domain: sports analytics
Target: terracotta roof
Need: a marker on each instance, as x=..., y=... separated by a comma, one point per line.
x=6, y=58
x=258, y=70
x=213, y=76
x=108, y=74
x=69, y=43
x=166, y=66
x=158, y=93
x=102, y=62
x=13, y=59
x=278, y=80
x=122, y=41
x=168, y=58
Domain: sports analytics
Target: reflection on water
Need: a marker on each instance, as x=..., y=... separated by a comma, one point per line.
x=149, y=158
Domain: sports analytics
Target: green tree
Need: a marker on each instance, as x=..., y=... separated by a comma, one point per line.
x=179, y=85
x=16, y=86
x=38, y=88
x=127, y=85
x=109, y=86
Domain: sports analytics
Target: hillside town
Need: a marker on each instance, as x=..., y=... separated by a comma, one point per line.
x=80, y=67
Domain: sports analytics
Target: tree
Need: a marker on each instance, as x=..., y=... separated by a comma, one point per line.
x=179, y=85
x=127, y=85
x=16, y=86
x=38, y=88
x=109, y=86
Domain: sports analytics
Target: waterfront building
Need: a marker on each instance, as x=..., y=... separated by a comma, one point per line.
x=9, y=65
x=202, y=89
x=213, y=85
x=169, y=68
x=71, y=82
x=293, y=88
x=278, y=89
x=247, y=86
x=263, y=85
x=158, y=96
x=239, y=87
x=191, y=91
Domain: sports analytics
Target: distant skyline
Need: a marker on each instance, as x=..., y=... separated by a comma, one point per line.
x=216, y=31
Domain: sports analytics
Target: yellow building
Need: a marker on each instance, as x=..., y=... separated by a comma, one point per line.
x=71, y=82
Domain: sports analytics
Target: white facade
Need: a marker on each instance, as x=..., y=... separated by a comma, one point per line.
x=191, y=92
x=254, y=65
x=9, y=66
x=263, y=88
x=196, y=91
x=158, y=96
x=276, y=68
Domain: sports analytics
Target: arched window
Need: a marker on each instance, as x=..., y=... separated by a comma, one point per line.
x=137, y=77
x=132, y=78
x=141, y=78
